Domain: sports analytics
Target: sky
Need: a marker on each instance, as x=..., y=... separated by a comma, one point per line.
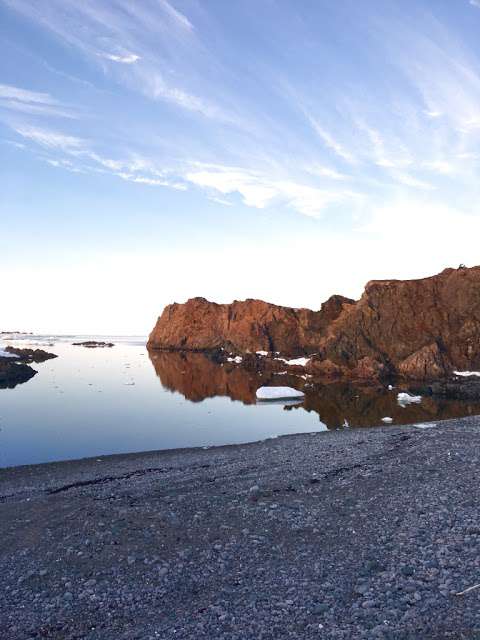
x=156, y=150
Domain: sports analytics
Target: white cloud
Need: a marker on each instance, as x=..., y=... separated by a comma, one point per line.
x=180, y=18
x=24, y=95
x=34, y=102
x=325, y=172
x=260, y=191
x=128, y=58
x=475, y=3
x=410, y=181
x=84, y=159
x=331, y=143
x=156, y=36
x=440, y=166
x=51, y=139
x=153, y=182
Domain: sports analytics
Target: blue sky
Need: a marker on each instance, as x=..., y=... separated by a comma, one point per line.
x=156, y=150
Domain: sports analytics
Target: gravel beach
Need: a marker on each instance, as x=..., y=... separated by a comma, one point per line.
x=360, y=533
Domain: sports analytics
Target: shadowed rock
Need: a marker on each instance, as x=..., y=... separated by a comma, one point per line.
x=31, y=355
x=93, y=344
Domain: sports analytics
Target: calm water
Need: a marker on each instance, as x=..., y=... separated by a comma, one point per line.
x=89, y=402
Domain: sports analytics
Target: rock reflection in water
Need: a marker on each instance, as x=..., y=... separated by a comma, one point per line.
x=197, y=377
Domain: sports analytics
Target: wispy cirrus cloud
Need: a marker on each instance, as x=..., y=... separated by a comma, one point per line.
x=128, y=58
x=180, y=18
x=79, y=155
x=51, y=139
x=147, y=37
x=331, y=142
x=40, y=103
x=415, y=130
x=260, y=191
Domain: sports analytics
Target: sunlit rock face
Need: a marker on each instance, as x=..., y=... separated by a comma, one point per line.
x=251, y=325
x=416, y=329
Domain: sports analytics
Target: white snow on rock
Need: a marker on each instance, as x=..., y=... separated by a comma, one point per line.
x=405, y=399
x=278, y=393
x=6, y=354
x=467, y=374
x=262, y=353
x=300, y=362
x=387, y=419
x=237, y=359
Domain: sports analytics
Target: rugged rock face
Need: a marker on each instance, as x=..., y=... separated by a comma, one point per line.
x=417, y=329
x=252, y=325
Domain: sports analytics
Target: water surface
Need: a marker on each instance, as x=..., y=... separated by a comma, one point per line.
x=91, y=402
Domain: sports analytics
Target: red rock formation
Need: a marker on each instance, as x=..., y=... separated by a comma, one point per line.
x=419, y=329
x=252, y=325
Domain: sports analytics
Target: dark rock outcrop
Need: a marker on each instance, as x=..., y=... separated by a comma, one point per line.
x=416, y=329
x=93, y=344
x=31, y=355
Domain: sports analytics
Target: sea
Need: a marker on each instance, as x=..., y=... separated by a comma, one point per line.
x=96, y=402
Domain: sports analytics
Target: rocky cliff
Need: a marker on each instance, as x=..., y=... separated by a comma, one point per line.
x=417, y=329
x=251, y=325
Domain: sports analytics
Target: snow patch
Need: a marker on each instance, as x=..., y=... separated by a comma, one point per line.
x=300, y=362
x=278, y=393
x=262, y=353
x=467, y=374
x=387, y=419
x=405, y=399
x=237, y=359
